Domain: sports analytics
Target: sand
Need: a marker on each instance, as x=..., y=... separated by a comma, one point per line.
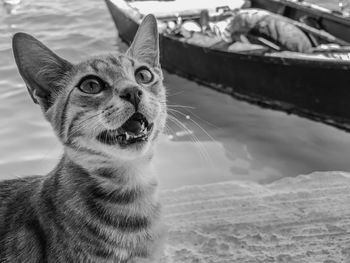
x=301, y=219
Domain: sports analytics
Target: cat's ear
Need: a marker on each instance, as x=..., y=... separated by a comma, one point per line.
x=145, y=46
x=40, y=68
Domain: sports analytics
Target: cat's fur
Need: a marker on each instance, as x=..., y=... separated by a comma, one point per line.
x=99, y=204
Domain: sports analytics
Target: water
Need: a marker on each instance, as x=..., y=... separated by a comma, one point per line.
x=240, y=141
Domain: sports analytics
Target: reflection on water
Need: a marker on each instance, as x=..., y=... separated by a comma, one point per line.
x=225, y=139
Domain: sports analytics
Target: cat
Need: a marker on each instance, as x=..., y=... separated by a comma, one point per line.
x=100, y=202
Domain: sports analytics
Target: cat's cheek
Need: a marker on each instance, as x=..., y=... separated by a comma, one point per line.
x=159, y=127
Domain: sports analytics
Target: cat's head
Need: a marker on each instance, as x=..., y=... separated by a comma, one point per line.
x=112, y=104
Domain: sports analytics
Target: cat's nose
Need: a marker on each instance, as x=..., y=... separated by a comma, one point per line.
x=132, y=95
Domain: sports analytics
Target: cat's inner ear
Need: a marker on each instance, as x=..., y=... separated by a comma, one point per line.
x=145, y=47
x=40, y=68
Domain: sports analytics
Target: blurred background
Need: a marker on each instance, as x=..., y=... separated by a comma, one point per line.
x=218, y=138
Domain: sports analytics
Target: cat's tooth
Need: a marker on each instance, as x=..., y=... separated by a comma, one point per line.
x=127, y=136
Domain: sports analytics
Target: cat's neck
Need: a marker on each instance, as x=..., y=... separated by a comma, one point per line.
x=110, y=172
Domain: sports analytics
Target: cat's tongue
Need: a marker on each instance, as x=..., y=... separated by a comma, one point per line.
x=135, y=124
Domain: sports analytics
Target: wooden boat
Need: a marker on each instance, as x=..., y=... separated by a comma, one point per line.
x=315, y=88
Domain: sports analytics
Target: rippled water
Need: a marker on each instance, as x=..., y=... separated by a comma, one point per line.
x=236, y=140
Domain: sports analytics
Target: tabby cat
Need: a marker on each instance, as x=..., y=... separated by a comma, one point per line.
x=100, y=203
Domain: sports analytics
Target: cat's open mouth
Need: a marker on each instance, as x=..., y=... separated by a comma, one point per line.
x=135, y=129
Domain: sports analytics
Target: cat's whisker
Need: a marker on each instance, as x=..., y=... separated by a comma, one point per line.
x=188, y=117
x=82, y=124
x=202, y=146
x=92, y=128
x=169, y=131
x=193, y=121
x=176, y=93
x=201, y=149
x=179, y=106
x=73, y=131
x=182, y=126
x=201, y=119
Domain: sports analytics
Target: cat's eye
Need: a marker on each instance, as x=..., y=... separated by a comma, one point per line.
x=91, y=85
x=143, y=75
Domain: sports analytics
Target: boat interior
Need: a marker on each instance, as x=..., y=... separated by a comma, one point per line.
x=282, y=28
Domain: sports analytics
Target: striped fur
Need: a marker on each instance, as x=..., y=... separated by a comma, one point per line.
x=100, y=202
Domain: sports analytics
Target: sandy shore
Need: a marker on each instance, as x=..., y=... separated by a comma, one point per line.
x=301, y=219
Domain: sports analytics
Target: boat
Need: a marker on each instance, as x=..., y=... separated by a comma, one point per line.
x=315, y=88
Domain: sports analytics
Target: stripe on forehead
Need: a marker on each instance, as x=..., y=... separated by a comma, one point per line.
x=132, y=62
x=123, y=66
x=112, y=67
x=106, y=67
x=115, y=60
x=127, y=61
x=121, y=60
x=128, y=65
x=98, y=65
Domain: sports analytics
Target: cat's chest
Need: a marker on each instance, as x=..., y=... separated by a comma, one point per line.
x=128, y=230
x=119, y=218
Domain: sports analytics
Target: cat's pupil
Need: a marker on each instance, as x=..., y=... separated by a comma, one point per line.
x=91, y=86
x=144, y=76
